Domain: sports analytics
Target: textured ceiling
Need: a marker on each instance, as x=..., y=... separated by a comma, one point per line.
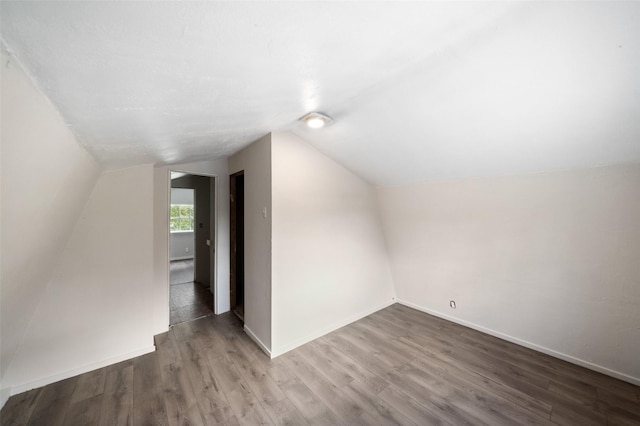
x=418, y=90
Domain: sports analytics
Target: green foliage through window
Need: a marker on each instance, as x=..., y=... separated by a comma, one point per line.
x=181, y=217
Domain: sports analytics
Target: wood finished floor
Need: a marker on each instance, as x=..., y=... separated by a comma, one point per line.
x=181, y=271
x=188, y=300
x=397, y=366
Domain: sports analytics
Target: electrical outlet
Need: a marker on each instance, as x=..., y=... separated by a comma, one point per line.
x=452, y=304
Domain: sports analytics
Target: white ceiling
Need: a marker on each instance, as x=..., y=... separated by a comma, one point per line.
x=418, y=90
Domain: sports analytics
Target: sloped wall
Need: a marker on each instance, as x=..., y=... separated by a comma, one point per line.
x=46, y=180
x=315, y=256
x=330, y=264
x=550, y=261
x=96, y=309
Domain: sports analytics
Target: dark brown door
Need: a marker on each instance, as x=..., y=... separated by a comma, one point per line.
x=237, y=243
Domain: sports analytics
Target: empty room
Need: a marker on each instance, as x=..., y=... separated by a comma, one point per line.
x=320, y=213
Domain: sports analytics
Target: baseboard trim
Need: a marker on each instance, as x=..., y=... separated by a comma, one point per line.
x=326, y=330
x=80, y=370
x=577, y=361
x=255, y=338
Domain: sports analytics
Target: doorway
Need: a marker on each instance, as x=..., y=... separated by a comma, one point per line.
x=181, y=212
x=236, y=182
x=191, y=249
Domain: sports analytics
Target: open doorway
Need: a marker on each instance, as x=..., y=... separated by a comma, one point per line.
x=191, y=249
x=181, y=243
x=236, y=188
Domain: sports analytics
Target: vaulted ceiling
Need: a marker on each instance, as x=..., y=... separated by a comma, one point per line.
x=418, y=90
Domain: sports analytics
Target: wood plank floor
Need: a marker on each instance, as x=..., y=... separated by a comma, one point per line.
x=188, y=300
x=181, y=271
x=397, y=366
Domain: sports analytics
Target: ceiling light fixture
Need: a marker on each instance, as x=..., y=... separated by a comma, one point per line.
x=316, y=120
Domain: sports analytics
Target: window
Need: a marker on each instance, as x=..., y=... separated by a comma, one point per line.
x=181, y=217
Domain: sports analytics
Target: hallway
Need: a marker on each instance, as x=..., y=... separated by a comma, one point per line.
x=188, y=300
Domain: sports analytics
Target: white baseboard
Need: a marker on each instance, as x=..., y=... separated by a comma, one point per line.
x=526, y=344
x=80, y=370
x=326, y=330
x=258, y=341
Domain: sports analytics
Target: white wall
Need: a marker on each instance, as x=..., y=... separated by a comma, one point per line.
x=182, y=196
x=181, y=245
x=161, y=190
x=255, y=160
x=96, y=310
x=46, y=179
x=330, y=264
x=547, y=260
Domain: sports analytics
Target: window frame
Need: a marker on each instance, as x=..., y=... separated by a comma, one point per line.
x=182, y=217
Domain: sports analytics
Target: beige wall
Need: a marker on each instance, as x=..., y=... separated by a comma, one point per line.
x=96, y=309
x=255, y=160
x=550, y=260
x=84, y=256
x=46, y=180
x=330, y=264
x=315, y=257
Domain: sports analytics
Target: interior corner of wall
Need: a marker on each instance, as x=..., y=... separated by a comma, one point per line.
x=262, y=345
x=5, y=393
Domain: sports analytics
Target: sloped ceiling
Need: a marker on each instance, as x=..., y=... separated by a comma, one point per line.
x=418, y=90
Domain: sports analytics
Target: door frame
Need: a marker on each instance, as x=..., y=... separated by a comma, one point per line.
x=213, y=276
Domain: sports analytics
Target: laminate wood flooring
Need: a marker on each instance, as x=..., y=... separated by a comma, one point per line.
x=187, y=300
x=181, y=271
x=397, y=366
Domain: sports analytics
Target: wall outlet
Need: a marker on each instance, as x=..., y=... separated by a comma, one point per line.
x=186, y=249
x=452, y=304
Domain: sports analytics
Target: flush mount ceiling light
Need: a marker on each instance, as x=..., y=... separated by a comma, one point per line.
x=316, y=120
